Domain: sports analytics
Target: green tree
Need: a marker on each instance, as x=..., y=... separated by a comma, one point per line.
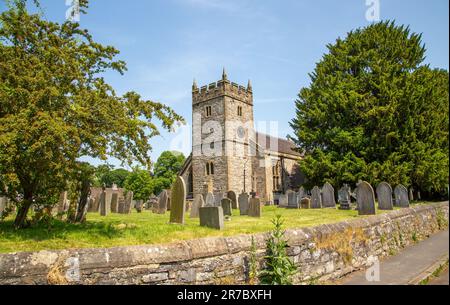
x=55, y=107
x=169, y=164
x=117, y=176
x=160, y=184
x=140, y=182
x=373, y=111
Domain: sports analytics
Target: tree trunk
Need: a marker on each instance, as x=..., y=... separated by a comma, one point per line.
x=84, y=194
x=21, y=218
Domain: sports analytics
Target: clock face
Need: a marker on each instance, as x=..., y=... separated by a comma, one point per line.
x=241, y=132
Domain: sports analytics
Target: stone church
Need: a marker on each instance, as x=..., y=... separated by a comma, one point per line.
x=228, y=154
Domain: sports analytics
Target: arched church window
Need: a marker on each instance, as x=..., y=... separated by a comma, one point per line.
x=239, y=110
x=208, y=111
x=209, y=168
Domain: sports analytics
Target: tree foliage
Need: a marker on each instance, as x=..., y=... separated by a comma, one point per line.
x=375, y=112
x=166, y=170
x=140, y=182
x=55, y=107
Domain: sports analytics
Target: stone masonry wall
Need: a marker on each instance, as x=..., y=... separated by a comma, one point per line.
x=321, y=253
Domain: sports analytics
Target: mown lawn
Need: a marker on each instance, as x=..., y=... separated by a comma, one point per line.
x=148, y=228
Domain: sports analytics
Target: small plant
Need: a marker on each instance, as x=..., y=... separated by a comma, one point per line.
x=414, y=237
x=279, y=268
x=441, y=220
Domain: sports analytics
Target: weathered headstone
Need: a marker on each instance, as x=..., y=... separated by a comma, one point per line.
x=226, y=206
x=328, y=199
x=104, y=209
x=316, y=198
x=2, y=205
x=115, y=202
x=178, y=201
x=95, y=205
x=122, y=206
x=254, y=208
x=218, y=199
x=292, y=200
x=305, y=203
x=62, y=203
x=401, y=196
x=300, y=195
x=365, y=198
x=243, y=203
x=344, y=198
x=384, y=196
x=139, y=206
x=209, y=200
x=196, y=205
x=283, y=201
x=232, y=196
x=128, y=202
x=161, y=207
x=211, y=217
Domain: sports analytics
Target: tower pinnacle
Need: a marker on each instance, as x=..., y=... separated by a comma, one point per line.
x=249, y=86
x=224, y=75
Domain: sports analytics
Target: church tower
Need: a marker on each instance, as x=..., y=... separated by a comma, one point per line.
x=223, y=128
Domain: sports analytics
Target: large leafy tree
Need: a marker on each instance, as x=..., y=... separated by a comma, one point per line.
x=116, y=176
x=166, y=170
x=55, y=107
x=140, y=182
x=374, y=111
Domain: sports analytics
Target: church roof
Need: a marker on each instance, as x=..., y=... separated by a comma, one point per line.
x=284, y=146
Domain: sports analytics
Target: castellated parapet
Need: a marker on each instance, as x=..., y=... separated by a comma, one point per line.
x=222, y=88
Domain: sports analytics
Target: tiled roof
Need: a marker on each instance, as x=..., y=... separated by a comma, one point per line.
x=284, y=146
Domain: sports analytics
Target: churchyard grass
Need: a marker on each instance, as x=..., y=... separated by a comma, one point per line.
x=148, y=228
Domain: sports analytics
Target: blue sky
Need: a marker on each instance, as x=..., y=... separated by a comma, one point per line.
x=167, y=43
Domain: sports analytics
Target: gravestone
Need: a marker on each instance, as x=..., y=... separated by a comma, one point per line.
x=128, y=202
x=121, y=206
x=344, y=198
x=292, y=200
x=178, y=201
x=328, y=199
x=401, y=196
x=62, y=203
x=162, y=203
x=95, y=205
x=365, y=198
x=115, y=202
x=139, y=205
x=254, y=208
x=384, y=196
x=210, y=200
x=316, y=198
x=411, y=194
x=104, y=210
x=226, y=206
x=283, y=201
x=196, y=205
x=152, y=202
x=300, y=195
x=232, y=196
x=218, y=199
x=243, y=203
x=211, y=217
x=305, y=203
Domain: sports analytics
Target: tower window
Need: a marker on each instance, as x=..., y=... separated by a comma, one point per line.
x=208, y=111
x=209, y=168
x=239, y=110
x=212, y=145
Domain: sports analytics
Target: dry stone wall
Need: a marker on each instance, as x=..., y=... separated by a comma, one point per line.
x=321, y=253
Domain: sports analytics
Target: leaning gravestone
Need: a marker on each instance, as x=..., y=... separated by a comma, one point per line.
x=316, y=198
x=211, y=217
x=305, y=203
x=401, y=196
x=209, y=200
x=384, y=195
x=94, y=208
x=162, y=203
x=254, y=207
x=198, y=203
x=292, y=200
x=344, y=198
x=365, y=198
x=115, y=202
x=283, y=201
x=226, y=206
x=328, y=199
x=232, y=196
x=178, y=201
x=243, y=203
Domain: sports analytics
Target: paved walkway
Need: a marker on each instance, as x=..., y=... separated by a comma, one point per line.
x=410, y=265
